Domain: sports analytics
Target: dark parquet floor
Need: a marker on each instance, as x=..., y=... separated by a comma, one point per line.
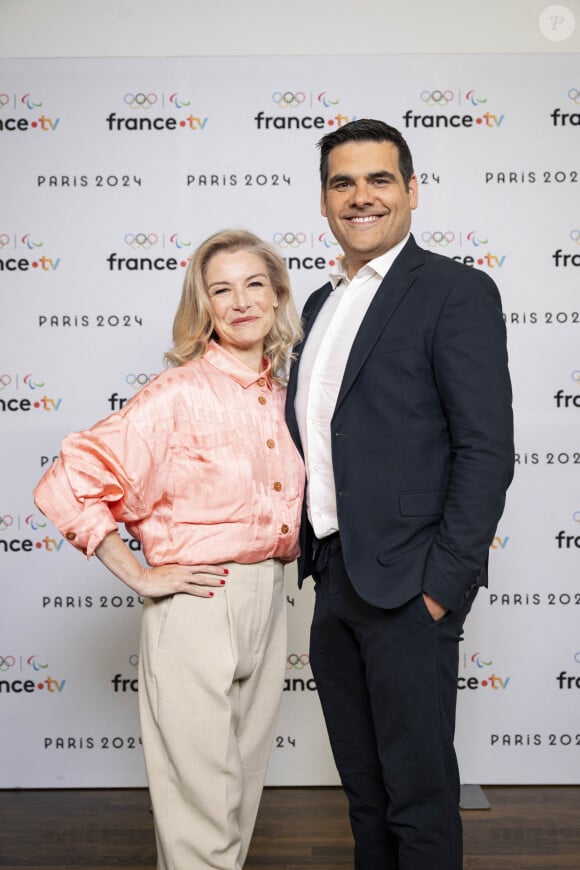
x=526, y=828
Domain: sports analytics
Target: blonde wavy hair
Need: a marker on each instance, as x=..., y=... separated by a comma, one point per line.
x=193, y=326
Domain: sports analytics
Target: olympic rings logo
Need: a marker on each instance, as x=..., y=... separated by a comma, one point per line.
x=141, y=240
x=577, y=657
x=140, y=101
x=4, y=240
x=133, y=660
x=576, y=377
x=575, y=236
x=5, y=522
x=437, y=98
x=4, y=100
x=438, y=238
x=289, y=240
x=288, y=99
x=297, y=662
x=5, y=381
x=573, y=93
x=576, y=516
x=7, y=662
x=138, y=381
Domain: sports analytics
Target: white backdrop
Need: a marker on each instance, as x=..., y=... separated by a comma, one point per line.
x=112, y=172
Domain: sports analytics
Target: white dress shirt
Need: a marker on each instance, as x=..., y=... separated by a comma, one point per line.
x=322, y=365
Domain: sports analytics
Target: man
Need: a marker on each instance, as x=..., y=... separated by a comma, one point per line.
x=401, y=403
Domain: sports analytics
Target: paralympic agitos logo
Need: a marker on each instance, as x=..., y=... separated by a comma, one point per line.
x=453, y=109
x=301, y=110
x=145, y=113
x=32, y=114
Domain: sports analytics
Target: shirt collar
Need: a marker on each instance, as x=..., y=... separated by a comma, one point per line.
x=379, y=266
x=234, y=368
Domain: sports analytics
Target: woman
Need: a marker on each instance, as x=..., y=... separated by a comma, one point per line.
x=201, y=469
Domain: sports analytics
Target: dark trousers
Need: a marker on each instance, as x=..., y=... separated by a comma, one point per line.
x=387, y=681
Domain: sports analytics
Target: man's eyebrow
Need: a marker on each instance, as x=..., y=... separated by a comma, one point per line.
x=370, y=176
x=382, y=173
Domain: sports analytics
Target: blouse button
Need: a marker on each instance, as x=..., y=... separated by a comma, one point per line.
x=70, y=536
x=271, y=444
x=284, y=529
x=277, y=486
x=261, y=382
x=262, y=400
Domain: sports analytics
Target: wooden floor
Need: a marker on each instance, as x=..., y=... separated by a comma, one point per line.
x=297, y=828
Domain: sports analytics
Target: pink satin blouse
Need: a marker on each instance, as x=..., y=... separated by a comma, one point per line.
x=199, y=466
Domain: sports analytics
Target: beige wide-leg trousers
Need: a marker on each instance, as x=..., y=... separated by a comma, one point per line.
x=211, y=673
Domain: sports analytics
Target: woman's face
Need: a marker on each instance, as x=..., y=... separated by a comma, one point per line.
x=243, y=301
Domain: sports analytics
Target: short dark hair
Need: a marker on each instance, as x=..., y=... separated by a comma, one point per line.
x=365, y=130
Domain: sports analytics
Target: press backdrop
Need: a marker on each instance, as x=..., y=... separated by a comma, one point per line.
x=112, y=171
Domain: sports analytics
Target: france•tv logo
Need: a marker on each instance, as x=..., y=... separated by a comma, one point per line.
x=141, y=102
x=440, y=240
x=33, y=257
x=318, y=104
x=136, y=382
x=34, y=526
x=27, y=103
x=26, y=383
x=562, y=259
x=480, y=661
x=565, y=680
x=569, y=400
x=145, y=242
x=27, y=682
x=443, y=98
x=563, y=119
x=568, y=542
x=289, y=244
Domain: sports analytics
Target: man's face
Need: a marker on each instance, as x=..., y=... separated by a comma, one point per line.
x=365, y=201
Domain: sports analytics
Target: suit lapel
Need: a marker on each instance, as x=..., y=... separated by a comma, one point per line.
x=311, y=313
x=391, y=291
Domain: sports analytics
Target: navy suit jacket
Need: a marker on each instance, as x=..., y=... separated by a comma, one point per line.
x=422, y=433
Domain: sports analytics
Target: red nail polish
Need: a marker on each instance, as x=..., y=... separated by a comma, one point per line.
x=211, y=594
x=222, y=582
x=226, y=571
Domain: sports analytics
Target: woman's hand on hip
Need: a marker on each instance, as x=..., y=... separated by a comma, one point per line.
x=199, y=580
x=163, y=580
